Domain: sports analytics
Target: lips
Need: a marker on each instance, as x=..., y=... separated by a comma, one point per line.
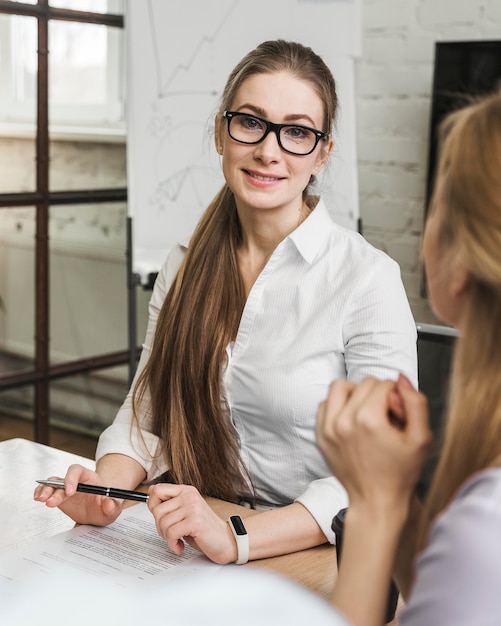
x=263, y=178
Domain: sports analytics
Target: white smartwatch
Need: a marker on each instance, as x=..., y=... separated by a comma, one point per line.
x=241, y=537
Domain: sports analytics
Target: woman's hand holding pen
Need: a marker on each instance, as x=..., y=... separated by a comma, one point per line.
x=81, y=507
x=375, y=437
x=180, y=513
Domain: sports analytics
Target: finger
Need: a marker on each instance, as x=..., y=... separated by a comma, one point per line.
x=192, y=542
x=403, y=381
x=111, y=507
x=164, y=509
x=362, y=391
x=339, y=394
x=416, y=408
x=396, y=412
x=374, y=403
x=172, y=527
x=170, y=498
x=397, y=409
x=176, y=545
x=44, y=492
x=76, y=474
x=72, y=478
x=161, y=492
x=354, y=411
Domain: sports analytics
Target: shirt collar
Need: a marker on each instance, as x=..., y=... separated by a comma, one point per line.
x=309, y=236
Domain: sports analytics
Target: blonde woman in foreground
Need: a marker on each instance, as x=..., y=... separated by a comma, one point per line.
x=375, y=434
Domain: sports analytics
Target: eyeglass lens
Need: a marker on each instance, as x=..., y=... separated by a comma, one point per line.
x=250, y=129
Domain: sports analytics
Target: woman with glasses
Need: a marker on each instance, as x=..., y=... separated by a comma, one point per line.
x=249, y=323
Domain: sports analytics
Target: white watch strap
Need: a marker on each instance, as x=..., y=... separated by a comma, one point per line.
x=241, y=537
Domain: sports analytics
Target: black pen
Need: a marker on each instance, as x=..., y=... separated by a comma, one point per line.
x=109, y=492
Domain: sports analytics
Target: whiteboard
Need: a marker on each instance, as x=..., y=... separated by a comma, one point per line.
x=180, y=53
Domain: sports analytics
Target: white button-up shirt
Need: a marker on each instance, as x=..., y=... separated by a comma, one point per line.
x=327, y=305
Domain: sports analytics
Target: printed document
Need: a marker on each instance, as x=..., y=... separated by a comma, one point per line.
x=127, y=553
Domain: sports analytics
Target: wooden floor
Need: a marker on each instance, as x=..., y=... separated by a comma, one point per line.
x=14, y=427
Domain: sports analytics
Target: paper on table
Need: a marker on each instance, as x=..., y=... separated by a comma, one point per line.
x=125, y=553
x=23, y=520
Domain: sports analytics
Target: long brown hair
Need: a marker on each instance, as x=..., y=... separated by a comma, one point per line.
x=470, y=193
x=202, y=310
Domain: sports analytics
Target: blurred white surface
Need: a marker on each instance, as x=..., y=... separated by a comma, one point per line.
x=234, y=595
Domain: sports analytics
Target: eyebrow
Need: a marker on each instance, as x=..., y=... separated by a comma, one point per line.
x=289, y=118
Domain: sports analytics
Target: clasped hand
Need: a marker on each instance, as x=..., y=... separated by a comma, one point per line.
x=375, y=436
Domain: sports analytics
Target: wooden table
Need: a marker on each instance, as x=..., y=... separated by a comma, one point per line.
x=23, y=520
x=314, y=568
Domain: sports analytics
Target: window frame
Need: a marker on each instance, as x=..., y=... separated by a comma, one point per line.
x=42, y=198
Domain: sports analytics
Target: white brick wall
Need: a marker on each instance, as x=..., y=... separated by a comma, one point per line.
x=393, y=86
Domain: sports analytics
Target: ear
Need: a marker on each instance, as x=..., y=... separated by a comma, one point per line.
x=460, y=281
x=218, y=134
x=323, y=155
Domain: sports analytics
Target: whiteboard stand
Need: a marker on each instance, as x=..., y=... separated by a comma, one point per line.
x=133, y=280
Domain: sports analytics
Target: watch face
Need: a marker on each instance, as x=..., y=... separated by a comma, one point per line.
x=238, y=525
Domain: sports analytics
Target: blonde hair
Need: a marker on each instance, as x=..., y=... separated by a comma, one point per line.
x=470, y=192
x=202, y=310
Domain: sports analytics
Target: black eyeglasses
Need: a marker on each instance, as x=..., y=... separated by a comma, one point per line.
x=294, y=139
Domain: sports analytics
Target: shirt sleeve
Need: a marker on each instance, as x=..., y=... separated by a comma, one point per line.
x=324, y=498
x=124, y=436
x=458, y=573
x=380, y=333
x=380, y=337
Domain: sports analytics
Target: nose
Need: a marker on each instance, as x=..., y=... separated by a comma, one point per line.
x=269, y=149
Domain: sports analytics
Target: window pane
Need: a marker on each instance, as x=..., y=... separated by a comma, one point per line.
x=18, y=68
x=78, y=61
x=24, y=58
x=87, y=403
x=17, y=290
x=88, y=280
x=17, y=164
x=85, y=86
x=87, y=165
